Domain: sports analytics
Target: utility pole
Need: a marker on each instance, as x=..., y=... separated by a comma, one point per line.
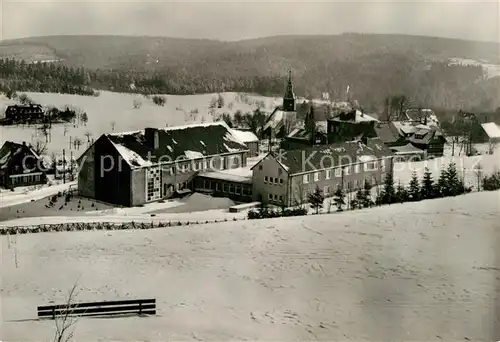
x=64, y=166
x=71, y=165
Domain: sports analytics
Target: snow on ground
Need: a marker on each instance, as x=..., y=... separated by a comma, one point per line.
x=423, y=271
x=129, y=215
x=9, y=198
x=114, y=112
x=491, y=70
x=466, y=167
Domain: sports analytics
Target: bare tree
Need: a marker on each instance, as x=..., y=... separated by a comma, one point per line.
x=84, y=118
x=46, y=130
x=66, y=321
x=478, y=171
x=39, y=147
x=88, y=135
x=77, y=142
x=113, y=126
x=492, y=146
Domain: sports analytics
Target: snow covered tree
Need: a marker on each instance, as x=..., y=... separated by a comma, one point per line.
x=414, y=188
x=316, y=199
x=339, y=198
x=427, y=190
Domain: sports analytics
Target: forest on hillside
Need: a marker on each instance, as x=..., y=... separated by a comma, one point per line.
x=373, y=66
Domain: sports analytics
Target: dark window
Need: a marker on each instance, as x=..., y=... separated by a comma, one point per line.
x=260, y=167
x=231, y=188
x=217, y=186
x=226, y=188
x=237, y=191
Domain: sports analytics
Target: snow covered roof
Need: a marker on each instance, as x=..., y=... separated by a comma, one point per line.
x=492, y=130
x=322, y=157
x=239, y=175
x=406, y=149
x=355, y=116
x=176, y=143
x=245, y=136
x=275, y=119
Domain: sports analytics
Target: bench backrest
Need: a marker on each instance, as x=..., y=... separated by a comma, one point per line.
x=140, y=306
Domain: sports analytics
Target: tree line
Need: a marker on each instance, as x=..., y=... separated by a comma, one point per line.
x=371, y=78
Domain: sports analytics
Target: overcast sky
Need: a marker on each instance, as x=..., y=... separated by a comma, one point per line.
x=225, y=20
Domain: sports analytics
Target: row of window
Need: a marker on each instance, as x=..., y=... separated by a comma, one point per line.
x=229, y=188
x=230, y=162
x=273, y=180
x=329, y=190
x=25, y=179
x=275, y=198
x=369, y=166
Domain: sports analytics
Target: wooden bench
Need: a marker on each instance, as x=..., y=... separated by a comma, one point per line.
x=120, y=307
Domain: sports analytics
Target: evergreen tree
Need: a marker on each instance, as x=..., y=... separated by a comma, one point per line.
x=454, y=186
x=441, y=186
x=427, y=190
x=367, y=189
x=414, y=188
x=339, y=198
x=388, y=194
x=401, y=193
x=316, y=199
x=359, y=200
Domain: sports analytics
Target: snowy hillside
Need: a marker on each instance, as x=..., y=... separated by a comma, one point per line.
x=491, y=70
x=115, y=112
x=419, y=271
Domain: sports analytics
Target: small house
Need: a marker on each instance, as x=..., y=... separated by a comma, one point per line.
x=250, y=139
x=18, y=114
x=20, y=165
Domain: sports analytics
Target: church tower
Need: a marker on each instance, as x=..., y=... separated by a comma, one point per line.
x=289, y=98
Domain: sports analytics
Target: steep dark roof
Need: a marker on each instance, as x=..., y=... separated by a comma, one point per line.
x=10, y=150
x=177, y=143
x=321, y=157
x=387, y=132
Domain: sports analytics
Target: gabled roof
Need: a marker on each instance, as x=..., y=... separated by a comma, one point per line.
x=406, y=149
x=492, y=130
x=11, y=149
x=424, y=136
x=328, y=156
x=354, y=116
x=177, y=143
x=245, y=136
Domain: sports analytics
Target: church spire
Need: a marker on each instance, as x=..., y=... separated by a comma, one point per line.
x=289, y=97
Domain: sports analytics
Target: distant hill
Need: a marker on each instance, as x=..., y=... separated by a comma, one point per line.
x=373, y=65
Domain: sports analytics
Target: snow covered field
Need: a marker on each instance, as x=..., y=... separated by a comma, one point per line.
x=417, y=271
x=115, y=111
x=9, y=198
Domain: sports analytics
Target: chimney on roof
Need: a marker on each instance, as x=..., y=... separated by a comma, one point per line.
x=152, y=138
x=24, y=143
